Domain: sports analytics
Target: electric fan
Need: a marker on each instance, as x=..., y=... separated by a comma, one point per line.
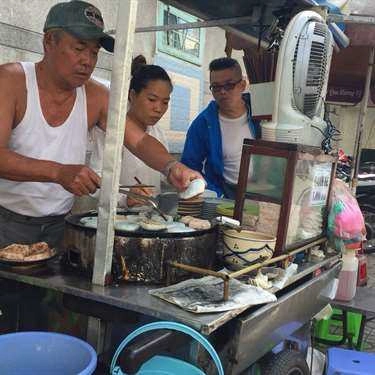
x=301, y=82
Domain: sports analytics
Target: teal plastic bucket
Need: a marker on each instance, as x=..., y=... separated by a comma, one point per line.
x=44, y=353
x=162, y=365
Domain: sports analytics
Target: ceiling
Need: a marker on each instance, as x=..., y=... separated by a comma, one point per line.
x=263, y=12
x=349, y=66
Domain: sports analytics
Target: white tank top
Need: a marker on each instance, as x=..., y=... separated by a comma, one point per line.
x=35, y=138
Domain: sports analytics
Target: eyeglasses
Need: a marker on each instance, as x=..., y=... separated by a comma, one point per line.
x=227, y=86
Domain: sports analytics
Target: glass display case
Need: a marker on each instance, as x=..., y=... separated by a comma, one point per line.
x=284, y=190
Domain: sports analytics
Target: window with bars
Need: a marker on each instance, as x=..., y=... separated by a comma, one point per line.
x=186, y=44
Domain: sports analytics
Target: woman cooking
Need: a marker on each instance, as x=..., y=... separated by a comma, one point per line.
x=149, y=94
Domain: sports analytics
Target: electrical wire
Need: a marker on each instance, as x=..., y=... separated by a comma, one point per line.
x=331, y=133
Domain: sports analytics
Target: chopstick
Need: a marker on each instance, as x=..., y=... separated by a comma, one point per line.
x=138, y=186
x=140, y=183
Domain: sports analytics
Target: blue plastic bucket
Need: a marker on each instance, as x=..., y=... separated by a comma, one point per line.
x=44, y=353
x=163, y=365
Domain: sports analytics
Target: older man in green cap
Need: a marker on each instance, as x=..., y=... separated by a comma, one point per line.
x=46, y=109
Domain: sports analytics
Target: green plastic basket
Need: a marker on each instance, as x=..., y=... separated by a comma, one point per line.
x=227, y=209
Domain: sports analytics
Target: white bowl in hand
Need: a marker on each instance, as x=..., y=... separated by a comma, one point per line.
x=195, y=188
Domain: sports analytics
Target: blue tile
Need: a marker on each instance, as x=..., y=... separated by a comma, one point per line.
x=180, y=108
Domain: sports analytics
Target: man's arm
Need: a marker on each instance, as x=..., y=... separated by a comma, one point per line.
x=194, y=153
x=16, y=167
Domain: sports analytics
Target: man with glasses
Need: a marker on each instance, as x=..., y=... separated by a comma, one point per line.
x=214, y=140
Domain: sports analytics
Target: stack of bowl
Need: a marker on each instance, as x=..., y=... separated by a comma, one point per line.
x=209, y=209
x=190, y=207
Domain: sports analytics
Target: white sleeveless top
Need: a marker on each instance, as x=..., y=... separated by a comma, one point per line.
x=35, y=138
x=131, y=166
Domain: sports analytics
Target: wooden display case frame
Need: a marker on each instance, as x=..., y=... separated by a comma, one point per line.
x=292, y=153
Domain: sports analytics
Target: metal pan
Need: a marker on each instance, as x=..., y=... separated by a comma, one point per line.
x=142, y=256
x=22, y=263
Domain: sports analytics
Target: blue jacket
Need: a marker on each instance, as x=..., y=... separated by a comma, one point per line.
x=203, y=150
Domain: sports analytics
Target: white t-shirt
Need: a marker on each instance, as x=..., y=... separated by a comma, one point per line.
x=233, y=132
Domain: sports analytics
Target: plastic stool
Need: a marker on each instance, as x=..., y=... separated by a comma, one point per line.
x=353, y=324
x=349, y=362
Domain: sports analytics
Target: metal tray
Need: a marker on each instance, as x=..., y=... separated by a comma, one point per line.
x=22, y=263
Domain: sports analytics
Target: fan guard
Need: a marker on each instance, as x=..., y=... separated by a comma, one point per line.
x=309, y=67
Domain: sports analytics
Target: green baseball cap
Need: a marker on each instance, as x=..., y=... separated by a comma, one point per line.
x=81, y=19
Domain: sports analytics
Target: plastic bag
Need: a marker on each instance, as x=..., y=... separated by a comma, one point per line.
x=345, y=220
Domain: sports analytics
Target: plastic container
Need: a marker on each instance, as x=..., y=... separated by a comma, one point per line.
x=25, y=353
x=362, y=268
x=167, y=365
x=348, y=276
x=227, y=208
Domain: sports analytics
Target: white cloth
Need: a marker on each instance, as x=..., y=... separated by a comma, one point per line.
x=233, y=132
x=131, y=165
x=35, y=138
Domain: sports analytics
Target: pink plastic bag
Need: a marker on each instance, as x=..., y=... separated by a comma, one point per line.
x=345, y=219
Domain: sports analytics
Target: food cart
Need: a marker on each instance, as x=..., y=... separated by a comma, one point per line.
x=242, y=336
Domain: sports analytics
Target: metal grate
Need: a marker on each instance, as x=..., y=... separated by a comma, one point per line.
x=310, y=66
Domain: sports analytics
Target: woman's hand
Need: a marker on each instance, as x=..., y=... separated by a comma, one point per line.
x=149, y=192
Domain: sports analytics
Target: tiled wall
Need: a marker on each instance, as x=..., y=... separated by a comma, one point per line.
x=186, y=100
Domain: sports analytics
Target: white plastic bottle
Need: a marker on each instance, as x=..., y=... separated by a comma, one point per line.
x=348, y=276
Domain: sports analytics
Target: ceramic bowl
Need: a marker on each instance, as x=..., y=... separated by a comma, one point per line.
x=241, y=249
